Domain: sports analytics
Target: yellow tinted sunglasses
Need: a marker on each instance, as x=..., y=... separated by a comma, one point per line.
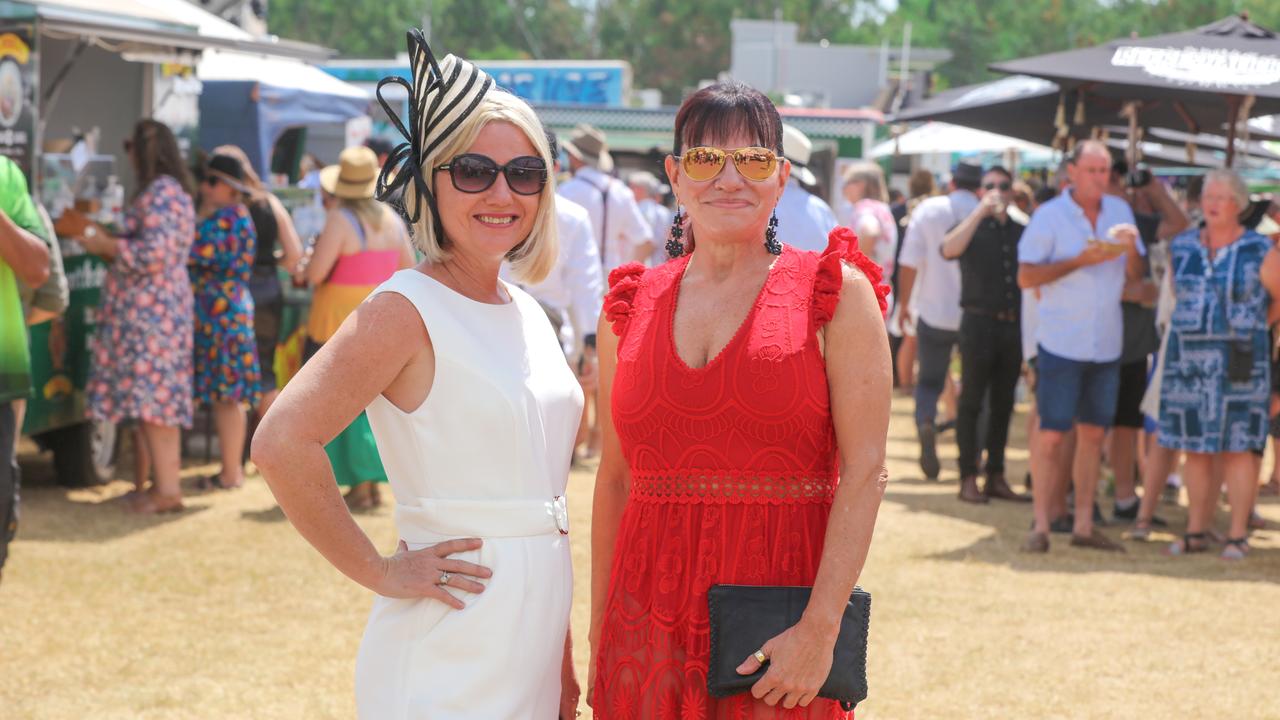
x=705, y=163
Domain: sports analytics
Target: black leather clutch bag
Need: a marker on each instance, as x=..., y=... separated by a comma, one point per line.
x=744, y=617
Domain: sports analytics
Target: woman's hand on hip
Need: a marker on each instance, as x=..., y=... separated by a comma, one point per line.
x=430, y=572
x=799, y=662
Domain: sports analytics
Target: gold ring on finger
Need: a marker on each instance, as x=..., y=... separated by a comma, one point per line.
x=761, y=657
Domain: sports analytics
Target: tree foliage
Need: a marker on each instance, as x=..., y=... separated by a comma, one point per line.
x=673, y=44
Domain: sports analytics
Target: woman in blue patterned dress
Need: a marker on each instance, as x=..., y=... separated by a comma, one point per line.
x=1215, y=396
x=226, y=353
x=141, y=367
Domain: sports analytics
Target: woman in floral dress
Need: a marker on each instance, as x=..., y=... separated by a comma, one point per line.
x=226, y=353
x=142, y=353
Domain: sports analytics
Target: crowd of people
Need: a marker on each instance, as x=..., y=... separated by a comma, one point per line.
x=1140, y=322
x=734, y=375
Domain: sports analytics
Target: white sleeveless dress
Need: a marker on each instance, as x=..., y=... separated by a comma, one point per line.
x=486, y=455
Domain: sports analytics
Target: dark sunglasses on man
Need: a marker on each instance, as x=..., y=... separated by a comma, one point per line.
x=1003, y=186
x=473, y=173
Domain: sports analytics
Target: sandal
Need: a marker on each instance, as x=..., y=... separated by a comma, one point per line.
x=1196, y=542
x=1142, y=528
x=1256, y=521
x=1270, y=488
x=1236, y=549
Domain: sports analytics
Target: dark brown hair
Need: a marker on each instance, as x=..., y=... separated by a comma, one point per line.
x=155, y=153
x=718, y=111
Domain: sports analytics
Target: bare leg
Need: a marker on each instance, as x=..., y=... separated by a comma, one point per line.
x=1197, y=469
x=230, y=419
x=1088, y=460
x=594, y=438
x=950, y=400
x=1033, y=444
x=1063, y=464
x=163, y=445
x=907, y=363
x=1160, y=462
x=166, y=457
x=1047, y=474
x=141, y=459
x=1241, y=471
x=1124, y=449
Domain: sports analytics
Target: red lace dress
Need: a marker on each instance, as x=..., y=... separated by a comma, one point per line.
x=733, y=470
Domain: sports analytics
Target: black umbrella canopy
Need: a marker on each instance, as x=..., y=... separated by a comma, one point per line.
x=1204, y=141
x=1189, y=73
x=1158, y=154
x=1031, y=109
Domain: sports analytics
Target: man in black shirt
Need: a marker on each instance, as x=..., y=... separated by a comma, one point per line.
x=986, y=244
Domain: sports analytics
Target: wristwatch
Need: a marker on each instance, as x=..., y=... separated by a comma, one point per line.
x=90, y=232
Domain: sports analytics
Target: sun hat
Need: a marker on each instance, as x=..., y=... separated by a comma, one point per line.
x=355, y=177
x=797, y=148
x=590, y=146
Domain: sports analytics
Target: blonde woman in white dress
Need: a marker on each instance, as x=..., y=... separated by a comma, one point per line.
x=474, y=410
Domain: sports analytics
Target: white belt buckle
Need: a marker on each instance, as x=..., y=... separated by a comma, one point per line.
x=559, y=508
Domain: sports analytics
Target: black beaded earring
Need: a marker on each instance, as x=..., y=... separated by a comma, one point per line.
x=771, y=236
x=675, y=248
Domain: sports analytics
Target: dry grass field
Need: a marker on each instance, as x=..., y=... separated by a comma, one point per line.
x=224, y=612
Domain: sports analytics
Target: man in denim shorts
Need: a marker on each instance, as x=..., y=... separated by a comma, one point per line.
x=1079, y=249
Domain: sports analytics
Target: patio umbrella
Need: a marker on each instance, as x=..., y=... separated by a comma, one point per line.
x=937, y=137
x=1225, y=71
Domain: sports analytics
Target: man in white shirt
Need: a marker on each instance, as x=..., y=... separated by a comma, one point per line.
x=804, y=219
x=937, y=298
x=649, y=192
x=621, y=232
x=574, y=290
x=1079, y=250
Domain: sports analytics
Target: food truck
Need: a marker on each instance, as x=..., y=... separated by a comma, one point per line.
x=75, y=75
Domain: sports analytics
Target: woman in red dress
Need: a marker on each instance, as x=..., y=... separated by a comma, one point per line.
x=745, y=407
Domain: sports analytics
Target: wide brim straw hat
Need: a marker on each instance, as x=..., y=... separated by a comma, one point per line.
x=441, y=97
x=355, y=177
x=589, y=145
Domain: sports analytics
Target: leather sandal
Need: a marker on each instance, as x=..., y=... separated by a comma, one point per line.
x=1236, y=549
x=1192, y=542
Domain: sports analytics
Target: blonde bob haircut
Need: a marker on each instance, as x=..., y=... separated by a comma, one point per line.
x=531, y=260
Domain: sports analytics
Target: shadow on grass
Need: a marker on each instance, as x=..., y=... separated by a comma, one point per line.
x=272, y=514
x=55, y=514
x=1009, y=523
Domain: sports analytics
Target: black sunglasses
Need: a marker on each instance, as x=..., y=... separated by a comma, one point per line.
x=472, y=173
x=1002, y=186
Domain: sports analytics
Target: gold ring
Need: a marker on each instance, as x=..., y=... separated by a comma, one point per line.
x=761, y=657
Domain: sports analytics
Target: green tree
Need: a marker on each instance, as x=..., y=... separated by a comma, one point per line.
x=479, y=29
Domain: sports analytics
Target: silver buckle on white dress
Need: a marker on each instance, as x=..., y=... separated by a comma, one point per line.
x=559, y=509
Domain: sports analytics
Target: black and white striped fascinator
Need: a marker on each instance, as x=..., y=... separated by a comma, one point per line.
x=441, y=97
